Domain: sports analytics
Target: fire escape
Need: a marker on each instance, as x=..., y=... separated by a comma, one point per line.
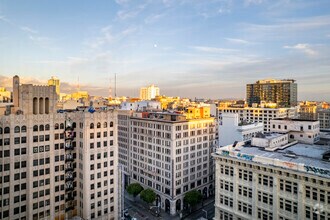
x=69, y=168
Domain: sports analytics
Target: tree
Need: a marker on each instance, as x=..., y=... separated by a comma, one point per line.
x=134, y=189
x=193, y=197
x=148, y=195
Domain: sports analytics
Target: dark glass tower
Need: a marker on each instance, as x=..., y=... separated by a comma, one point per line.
x=281, y=92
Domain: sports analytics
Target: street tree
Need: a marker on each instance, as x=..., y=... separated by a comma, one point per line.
x=192, y=198
x=148, y=195
x=134, y=189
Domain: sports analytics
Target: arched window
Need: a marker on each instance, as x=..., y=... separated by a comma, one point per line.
x=91, y=126
x=98, y=125
x=74, y=125
x=47, y=105
x=23, y=129
x=17, y=129
x=61, y=126
x=111, y=124
x=41, y=128
x=41, y=106
x=0, y=130
x=35, y=128
x=47, y=127
x=105, y=124
x=56, y=126
x=7, y=130
x=35, y=105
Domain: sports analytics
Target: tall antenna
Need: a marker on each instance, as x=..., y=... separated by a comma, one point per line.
x=78, y=86
x=115, y=85
x=110, y=89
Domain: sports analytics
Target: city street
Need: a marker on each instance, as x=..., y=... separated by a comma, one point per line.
x=137, y=209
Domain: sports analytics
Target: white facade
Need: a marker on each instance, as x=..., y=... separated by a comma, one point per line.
x=171, y=155
x=148, y=93
x=255, y=184
x=304, y=131
x=141, y=105
x=231, y=129
x=262, y=115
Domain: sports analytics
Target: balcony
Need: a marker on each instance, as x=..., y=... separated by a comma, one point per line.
x=69, y=158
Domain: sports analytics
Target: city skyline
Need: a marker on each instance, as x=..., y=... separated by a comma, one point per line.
x=187, y=48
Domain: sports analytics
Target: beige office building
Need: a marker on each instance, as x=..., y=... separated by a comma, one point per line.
x=56, y=165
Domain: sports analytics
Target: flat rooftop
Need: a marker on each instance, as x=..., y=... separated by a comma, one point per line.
x=301, y=157
x=293, y=119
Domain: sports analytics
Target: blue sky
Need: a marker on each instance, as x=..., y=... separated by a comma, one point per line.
x=189, y=48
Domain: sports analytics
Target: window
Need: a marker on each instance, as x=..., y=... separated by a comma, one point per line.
x=265, y=198
x=289, y=206
x=35, y=128
x=244, y=207
x=23, y=129
x=244, y=191
x=91, y=126
x=266, y=180
x=226, y=200
x=6, y=130
x=225, y=185
x=98, y=125
x=245, y=175
x=288, y=186
x=17, y=129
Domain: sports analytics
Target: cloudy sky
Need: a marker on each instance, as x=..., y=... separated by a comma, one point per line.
x=189, y=48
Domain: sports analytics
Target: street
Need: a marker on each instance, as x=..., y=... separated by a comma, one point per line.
x=137, y=209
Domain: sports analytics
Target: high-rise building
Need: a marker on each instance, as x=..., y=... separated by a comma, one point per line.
x=323, y=115
x=262, y=115
x=56, y=165
x=168, y=153
x=281, y=92
x=307, y=110
x=54, y=81
x=272, y=179
x=150, y=92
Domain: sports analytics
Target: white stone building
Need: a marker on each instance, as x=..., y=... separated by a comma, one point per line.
x=149, y=92
x=56, y=165
x=171, y=155
x=231, y=129
x=304, y=131
x=290, y=181
x=262, y=115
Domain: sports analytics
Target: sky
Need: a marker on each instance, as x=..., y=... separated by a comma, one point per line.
x=188, y=48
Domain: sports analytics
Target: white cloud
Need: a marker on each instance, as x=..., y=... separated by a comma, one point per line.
x=237, y=41
x=213, y=49
x=253, y=2
x=153, y=18
x=29, y=30
x=305, y=48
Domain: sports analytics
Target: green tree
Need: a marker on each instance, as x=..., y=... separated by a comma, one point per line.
x=148, y=195
x=134, y=189
x=193, y=197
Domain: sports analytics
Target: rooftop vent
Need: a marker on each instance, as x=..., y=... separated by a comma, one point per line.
x=290, y=154
x=326, y=156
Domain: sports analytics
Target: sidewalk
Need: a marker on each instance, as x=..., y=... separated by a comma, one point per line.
x=198, y=208
x=140, y=210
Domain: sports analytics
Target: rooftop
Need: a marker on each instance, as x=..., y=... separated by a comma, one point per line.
x=300, y=157
x=293, y=119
